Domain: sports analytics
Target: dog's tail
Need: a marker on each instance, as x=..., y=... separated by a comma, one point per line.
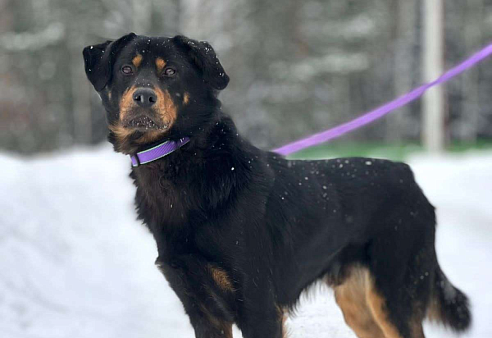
x=449, y=305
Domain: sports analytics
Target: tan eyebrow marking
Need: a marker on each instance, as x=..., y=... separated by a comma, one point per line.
x=186, y=98
x=160, y=64
x=137, y=60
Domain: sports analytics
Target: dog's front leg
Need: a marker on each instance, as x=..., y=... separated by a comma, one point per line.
x=209, y=318
x=259, y=316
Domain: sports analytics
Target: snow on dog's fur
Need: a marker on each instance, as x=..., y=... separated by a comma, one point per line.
x=242, y=232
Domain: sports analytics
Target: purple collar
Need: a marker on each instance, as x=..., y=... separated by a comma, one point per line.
x=157, y=152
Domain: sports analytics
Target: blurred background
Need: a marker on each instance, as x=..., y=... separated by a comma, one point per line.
x=75, y=262
x=296, y=67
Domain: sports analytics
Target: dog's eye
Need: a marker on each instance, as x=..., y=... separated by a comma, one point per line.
x=127, y=70
x=169, y=71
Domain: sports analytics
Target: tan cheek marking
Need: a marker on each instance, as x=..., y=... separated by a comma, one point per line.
x=122, y=135
x=126, y=102
x=165, y=107
x=186, y=98
x=220, y=278
x=160, y=64
x=120, y=131
x=137, y=60
x=109, y=94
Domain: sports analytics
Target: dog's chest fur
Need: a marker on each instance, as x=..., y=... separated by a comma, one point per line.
x=162, y=199
x=187, y=194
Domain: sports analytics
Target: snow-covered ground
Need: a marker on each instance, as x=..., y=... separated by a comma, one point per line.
x=75, y=263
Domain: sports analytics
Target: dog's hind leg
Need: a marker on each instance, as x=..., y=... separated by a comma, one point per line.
x=399, y=284
x=351, y=298
x=379, y=309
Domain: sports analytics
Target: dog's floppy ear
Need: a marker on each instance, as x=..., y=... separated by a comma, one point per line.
x=99, y=60
x=203, y=55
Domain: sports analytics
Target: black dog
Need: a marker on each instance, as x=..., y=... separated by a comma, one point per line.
x=242, y=232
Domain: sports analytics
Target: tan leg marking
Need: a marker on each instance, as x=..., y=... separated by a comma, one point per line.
x=434, y=311
x=224, y=328
x=418, y=331
x=351, y=298
x=160, y=64
x=137, y=60
x=283, y=317
x=186, y=98
x=377, y=304
x=221, y=278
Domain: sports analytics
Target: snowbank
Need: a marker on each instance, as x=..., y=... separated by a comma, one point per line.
x=75, y=263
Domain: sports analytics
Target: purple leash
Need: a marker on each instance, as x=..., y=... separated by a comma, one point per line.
x=384, y=110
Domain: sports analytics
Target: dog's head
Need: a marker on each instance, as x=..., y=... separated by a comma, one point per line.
x=154, y=88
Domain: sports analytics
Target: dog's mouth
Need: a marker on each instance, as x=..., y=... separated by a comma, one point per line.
x=144, y=122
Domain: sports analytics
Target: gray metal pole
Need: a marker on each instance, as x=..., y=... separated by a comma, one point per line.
x=433, y=133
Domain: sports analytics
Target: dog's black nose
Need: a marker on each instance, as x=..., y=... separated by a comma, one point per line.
x=145, y=97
